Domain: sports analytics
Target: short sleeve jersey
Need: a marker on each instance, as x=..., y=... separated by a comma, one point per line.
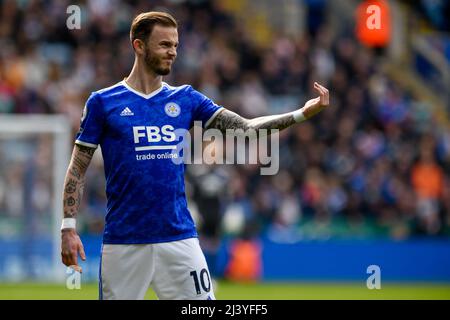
x=146, y=200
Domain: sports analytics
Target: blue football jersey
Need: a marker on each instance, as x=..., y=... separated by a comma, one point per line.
x=146, y=200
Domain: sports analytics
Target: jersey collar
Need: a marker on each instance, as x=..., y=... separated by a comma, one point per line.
x=143, y=95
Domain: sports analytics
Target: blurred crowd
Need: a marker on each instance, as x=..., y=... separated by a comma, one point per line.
x=376, y=162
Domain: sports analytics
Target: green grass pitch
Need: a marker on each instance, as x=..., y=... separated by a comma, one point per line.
x=256, y=291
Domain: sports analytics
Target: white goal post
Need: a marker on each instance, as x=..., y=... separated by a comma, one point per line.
x=15, y=128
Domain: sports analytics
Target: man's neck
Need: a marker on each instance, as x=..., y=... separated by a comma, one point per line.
x=143, y=81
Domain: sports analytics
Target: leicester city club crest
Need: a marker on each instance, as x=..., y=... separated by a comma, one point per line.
x=172, y=109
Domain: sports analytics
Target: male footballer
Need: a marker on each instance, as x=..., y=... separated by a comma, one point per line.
x=150, y=238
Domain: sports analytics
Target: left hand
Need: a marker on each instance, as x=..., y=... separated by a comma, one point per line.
x=316, y=105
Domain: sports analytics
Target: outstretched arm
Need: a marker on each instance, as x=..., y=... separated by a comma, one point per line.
x=73, y=191
x=227, y=119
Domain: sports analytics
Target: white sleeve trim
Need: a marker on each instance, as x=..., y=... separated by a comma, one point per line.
x=212, y=117
x=86, y=144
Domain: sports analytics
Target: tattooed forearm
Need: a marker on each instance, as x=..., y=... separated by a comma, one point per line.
x=80, y=194
x=74, y=182
x=70, y=201
x=279, y=122
x=230, y=120
x=71, y=186
x=75, y=172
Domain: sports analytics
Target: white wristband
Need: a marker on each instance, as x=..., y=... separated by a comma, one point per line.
x=68, y=223
x=298, y=115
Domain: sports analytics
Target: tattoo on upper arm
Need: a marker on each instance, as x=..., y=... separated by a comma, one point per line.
x=229, y=120
x=87, y=150
x=80, y=163
x=82, y=157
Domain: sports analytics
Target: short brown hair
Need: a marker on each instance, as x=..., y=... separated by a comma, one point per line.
x=143, y=24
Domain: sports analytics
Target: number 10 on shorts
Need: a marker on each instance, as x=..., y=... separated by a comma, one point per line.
x=205, y=283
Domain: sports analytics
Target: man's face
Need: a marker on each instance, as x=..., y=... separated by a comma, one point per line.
x=160, y=50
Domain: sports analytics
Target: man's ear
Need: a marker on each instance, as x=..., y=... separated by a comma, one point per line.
x=139, y=46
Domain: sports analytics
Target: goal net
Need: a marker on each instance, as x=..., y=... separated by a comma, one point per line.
x=34, y=154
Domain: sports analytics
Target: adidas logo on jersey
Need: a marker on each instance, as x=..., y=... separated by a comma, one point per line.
x=127, y=112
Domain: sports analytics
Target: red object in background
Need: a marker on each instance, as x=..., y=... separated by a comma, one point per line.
x=245, y=261
x=373, y=23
